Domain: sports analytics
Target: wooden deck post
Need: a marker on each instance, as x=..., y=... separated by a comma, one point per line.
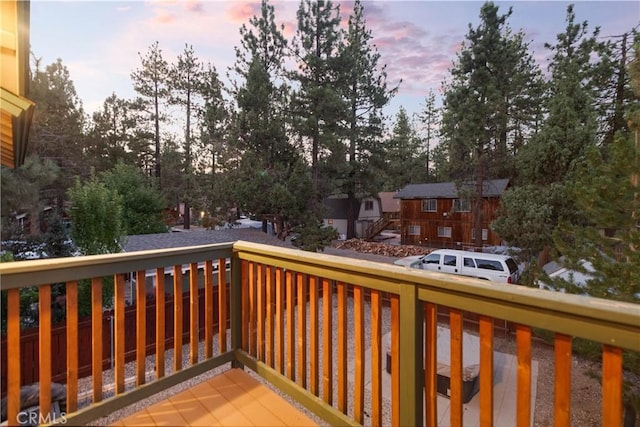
x=235, y=306
x=411, y=376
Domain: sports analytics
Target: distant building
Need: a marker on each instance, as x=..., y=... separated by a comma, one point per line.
x=435, y=215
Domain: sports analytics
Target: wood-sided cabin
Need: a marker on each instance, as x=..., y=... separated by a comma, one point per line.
x=438, y=215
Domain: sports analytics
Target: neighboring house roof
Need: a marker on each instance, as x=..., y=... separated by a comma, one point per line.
x=389, y=204
x=338, y=207
x=447, y=190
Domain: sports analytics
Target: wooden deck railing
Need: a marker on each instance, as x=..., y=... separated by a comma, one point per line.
x=305, y=322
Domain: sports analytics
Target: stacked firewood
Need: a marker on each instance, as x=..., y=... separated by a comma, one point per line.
x=379, y=248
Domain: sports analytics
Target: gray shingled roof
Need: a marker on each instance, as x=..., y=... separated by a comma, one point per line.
x=447, y=190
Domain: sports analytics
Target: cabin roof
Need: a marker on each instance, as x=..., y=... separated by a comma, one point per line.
x=448, y=190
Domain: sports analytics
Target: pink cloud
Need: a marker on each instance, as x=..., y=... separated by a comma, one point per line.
x=162, y=16
x=242, y=11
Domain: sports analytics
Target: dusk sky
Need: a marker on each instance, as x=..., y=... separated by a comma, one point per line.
x=99, y=41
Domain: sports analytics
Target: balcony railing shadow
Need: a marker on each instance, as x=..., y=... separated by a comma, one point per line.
x=314, y=326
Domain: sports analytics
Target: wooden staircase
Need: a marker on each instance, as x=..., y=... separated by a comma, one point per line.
x=376, y=228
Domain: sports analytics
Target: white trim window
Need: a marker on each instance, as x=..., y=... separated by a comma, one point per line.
x=414, y=230
x=461, y=205
x=429, y=205
x=368, y=205
x=444, y=232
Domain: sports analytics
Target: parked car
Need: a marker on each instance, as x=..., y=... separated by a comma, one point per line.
x=497, y=268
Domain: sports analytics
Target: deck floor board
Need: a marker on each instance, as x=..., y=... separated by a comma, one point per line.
x=231, y=399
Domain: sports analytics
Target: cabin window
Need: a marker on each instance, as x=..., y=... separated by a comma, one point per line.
x=414, y=230
x=444, y=231
x=461, y=205
x=485, y=234
x=368, y=205
x=468, y=262
x=429, y=205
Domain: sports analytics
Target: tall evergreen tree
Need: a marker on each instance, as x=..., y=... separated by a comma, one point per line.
x=404, y=159
x=58, y=127
x=273, y=179
x=212, y=146
x=318, y=105
x=492, y=84
x=116, y=135
x=430, y=119
x=186, y=78
x=366, y=93
x=548, y=161
x=606, y=246
x=150, y=81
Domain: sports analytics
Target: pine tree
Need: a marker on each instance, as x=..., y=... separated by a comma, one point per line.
x=150, y=81
x=366, y=93
x=186, y=84
x=492, y=90
x=606, y=246
x=547, y=163
x=404, y=161
x=430, y=119
x=318, y=105
x=273, y=181
x=57, y=132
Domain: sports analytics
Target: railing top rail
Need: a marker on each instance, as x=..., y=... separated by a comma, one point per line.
x=510, y=302
x=55, y=270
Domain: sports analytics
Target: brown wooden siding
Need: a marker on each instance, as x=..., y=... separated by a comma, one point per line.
x=461, y=224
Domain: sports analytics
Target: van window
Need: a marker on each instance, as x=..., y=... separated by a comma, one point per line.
x=511, y=264
x=489, y=264
x=468, y=262
x=450, y=260
x=431, y=259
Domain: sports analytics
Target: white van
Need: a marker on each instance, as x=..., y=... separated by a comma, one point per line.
x=497, y=268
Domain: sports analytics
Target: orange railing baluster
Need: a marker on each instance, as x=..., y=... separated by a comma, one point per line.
x=611, y=386
x=280, y=320
x=486, y=370
x=376, y=359
x=342, y=347
x=160, y=322
x=395, y=360
x=208, y=308
x=44, y=341
x=245, y=304
x=302, y=330
x=562, y=380
x=13, y=363
x=141, y=326
x=119, y=332
x=523, y=404
x=313, y=337
x=193, y=314
x=177, y=318
x=260, y=319
x=96, y=338
x=269, y=314
x=252, y=310
x=358, y=325
x=222, y=304
x=291, y=339
x=72, y=346
x=327, y=341
x=431, y=364
x=455, y=379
